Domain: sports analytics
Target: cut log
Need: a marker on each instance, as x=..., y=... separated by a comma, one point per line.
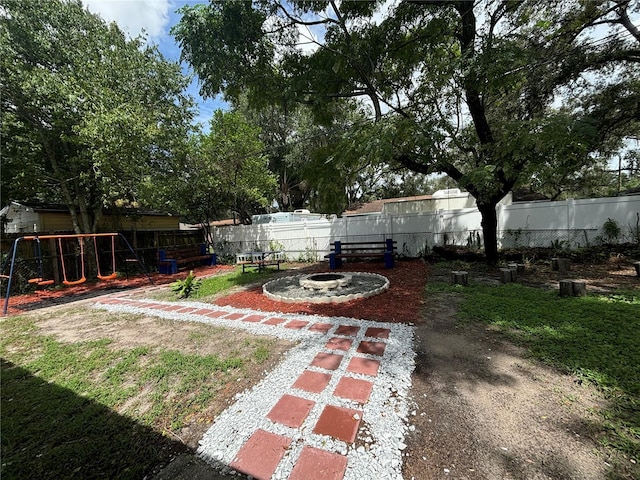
x=579, y=288
x=520, y=269
x=566, y=288
x=460, y=277
x=637, y=265
x=554, y=264
x=507, y=275
x=564, y=265
x=514, y=271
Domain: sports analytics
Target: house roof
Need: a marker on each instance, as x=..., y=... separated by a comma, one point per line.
x=56, y=207
x=376, y=206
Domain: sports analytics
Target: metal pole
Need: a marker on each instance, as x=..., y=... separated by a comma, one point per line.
x=137, y=258
x=13, y=264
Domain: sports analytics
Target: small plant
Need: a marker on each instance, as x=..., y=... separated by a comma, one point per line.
x=275, y=246
x=187, y=287
x=611, y=230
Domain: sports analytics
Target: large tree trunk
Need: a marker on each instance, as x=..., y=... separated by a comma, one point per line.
x=490, y=231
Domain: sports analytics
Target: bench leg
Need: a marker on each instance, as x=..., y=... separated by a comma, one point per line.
x=388, y=260
x=211, y=261
x=332, y=261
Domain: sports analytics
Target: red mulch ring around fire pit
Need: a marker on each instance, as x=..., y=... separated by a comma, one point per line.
x=64, y=294
x=400, y=303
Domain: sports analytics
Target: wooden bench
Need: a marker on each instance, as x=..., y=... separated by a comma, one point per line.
x=170, y=258
x=363, y=250
x=259, y=259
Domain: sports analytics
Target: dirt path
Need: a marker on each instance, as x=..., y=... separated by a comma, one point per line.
x=485, y=411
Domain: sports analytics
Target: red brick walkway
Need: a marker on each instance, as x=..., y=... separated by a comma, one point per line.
x=303, y=420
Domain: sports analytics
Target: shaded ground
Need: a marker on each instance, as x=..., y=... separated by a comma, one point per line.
x=484, y=410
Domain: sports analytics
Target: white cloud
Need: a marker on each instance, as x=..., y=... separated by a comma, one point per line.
x=133, y=16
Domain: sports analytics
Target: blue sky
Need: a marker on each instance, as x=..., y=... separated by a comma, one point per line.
x=155, y=17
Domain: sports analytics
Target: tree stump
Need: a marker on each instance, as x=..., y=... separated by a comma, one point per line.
x=637, y=265
x=459, y=277
x=579, y=288
x=573, y=288
x=507, y=275
x=554, y=264
x=514, y=271
x=520, y=268
x=566, y=288
x=564, y=265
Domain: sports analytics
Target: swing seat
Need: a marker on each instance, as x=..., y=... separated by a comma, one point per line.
x=108, y=277
x=74, y=282
x=34, y=280
x=46, y=282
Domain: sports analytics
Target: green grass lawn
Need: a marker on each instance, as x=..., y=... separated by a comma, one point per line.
x=596, y=338
x=219, y=283
x=94, y=409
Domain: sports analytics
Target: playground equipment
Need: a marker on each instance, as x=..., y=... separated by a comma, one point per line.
x=65, y=280
x=114, y=274
x=39, y=280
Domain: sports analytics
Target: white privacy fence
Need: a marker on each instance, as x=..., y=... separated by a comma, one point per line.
x=570, y=223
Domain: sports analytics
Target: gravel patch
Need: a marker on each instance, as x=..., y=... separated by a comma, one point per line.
x=378, y=449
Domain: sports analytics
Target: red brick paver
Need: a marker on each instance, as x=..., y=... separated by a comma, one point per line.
x=316, y=464
x=260, y=456
x=339, y=422
x=372, y=348
x=377, y=332
x=320, y=327
x=296, y=324
x=365, y=366
x=347, y=330
x=291, y=411
x=275, y=321
x=328, y=361
x=186, y=310
x=253, y=318
x=337, y=343
x=353, y=389
x=313, y=382
x=233, y=316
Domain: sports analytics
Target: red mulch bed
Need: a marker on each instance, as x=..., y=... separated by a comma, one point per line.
x=64, y=294
x=400, y=303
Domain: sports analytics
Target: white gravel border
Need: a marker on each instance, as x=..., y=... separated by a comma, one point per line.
x=380, y=444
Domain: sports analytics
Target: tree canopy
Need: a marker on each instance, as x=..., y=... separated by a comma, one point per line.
x=224, y=174
x=494, y=94
x=87, y=114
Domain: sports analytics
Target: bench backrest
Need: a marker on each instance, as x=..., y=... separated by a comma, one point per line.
x=387, y=245
x=182, y=252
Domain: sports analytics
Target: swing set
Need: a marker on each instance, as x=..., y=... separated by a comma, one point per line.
x=41, y=281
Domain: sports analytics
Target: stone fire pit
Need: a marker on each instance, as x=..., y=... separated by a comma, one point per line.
x=325, y=287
